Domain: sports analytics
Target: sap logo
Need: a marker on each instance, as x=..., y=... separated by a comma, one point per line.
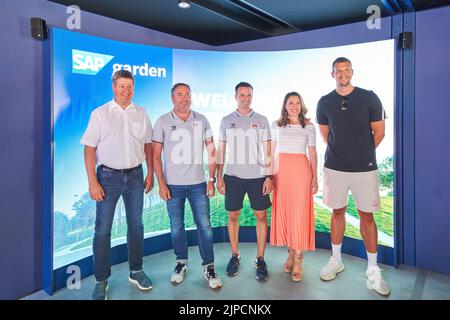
x=91, y=63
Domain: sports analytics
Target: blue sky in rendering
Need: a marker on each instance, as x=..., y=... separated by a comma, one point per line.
x=82, y=68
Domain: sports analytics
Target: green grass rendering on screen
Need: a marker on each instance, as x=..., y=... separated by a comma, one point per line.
x=156, y=219
x=77, y=233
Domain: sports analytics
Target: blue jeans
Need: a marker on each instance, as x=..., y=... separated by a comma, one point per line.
x=130, y=186
x=199, y=202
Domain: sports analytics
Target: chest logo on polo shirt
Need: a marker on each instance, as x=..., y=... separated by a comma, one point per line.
x=254, y=126
x=233, y=125
x=196, y=123
x=173, y=128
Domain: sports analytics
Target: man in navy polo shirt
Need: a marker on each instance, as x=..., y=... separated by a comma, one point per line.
x=351, y=122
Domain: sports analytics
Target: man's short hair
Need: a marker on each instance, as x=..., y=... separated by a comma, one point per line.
x=242, y=84
x=121, y=74
x=179, y=84
x=340, y=59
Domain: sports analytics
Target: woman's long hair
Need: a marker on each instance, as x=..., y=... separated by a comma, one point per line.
x=284, y=121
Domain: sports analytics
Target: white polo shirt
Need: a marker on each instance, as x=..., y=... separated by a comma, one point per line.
x=119, y=135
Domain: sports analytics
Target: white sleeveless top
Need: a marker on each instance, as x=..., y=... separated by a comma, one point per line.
x=293, y=138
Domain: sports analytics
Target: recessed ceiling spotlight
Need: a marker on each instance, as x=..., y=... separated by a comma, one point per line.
x=184, y=4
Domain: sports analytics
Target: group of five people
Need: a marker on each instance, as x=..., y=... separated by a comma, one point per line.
x=280, y=158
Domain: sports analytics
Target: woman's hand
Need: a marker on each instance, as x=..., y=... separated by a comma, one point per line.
x=314, y=185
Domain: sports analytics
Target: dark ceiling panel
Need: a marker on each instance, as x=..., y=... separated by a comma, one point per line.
x=428, y=4
x=220, y=22
x=307, y=15
x=195, y=23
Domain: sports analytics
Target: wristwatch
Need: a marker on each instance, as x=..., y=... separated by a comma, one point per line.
x=269, y=177
x=212, y=179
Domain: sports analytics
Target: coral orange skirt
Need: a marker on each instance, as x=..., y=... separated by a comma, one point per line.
x=292, y=221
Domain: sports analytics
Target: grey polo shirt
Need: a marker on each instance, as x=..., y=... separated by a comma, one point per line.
x=183, y=146
x=245, y=135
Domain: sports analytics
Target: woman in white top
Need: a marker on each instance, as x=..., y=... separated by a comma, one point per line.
x=295, y=173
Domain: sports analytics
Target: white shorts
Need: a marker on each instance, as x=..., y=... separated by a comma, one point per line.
x=363, y=186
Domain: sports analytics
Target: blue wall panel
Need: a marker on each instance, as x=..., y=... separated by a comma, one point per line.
x=432, y=140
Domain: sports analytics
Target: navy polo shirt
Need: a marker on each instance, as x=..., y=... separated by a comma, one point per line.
x=351, y=145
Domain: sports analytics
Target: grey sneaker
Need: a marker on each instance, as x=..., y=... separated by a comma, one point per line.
x=213, y=281
x=178, y=274
x=141, y=280
x=100, y=291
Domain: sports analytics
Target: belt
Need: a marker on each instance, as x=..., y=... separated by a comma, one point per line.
x=102, y=166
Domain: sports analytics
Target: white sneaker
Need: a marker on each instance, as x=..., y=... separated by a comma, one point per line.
x=332, y=268
x=213, y=281
x=178, y=274
x=376, y=282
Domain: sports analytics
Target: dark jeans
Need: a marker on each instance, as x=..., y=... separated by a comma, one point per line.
x=131, y=187
x=199, y=202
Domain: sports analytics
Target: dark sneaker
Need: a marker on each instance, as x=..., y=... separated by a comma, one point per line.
x=141, y=280
x=213, y=281
x=178, y=274
x=261, y=269
x=233, y=265
x=100, y=291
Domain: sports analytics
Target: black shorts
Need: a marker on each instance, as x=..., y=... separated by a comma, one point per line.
x=236, y=188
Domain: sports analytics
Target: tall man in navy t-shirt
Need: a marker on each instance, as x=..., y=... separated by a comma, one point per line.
x=351, y=122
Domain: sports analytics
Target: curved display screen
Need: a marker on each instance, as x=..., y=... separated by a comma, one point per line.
x=82, y=66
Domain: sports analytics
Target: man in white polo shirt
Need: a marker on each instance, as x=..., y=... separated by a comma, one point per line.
x=118, y=140
x=246, y=134
x=182, y=134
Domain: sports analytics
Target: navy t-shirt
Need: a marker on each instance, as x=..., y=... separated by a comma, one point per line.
x=350, y=146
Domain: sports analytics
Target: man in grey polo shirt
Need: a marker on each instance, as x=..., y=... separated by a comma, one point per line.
x=247, y=135
x=182, y=134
